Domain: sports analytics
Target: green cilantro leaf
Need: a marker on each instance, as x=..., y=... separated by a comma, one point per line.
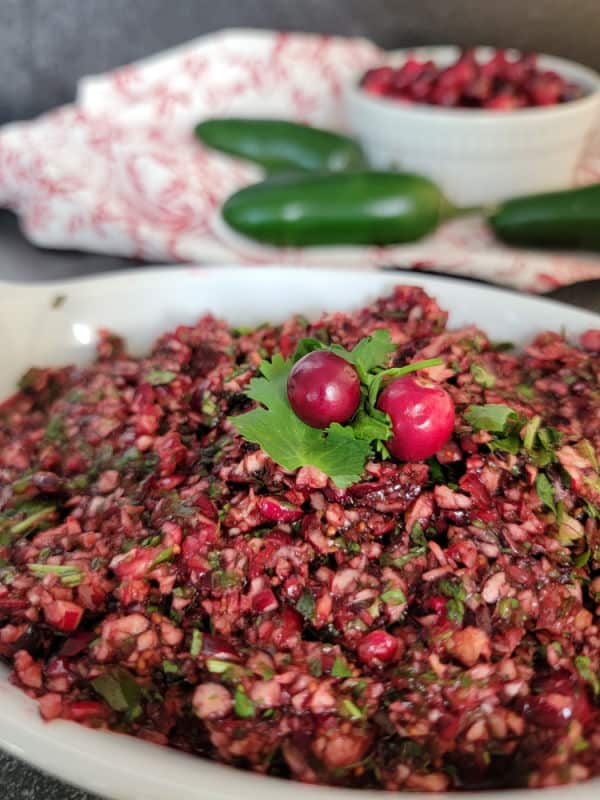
x=493, y=417
x=288, y=440
x=306, y=346
x=375, y=425
x=369, y=353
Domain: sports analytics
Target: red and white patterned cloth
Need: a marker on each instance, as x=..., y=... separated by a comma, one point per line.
x=120, y=172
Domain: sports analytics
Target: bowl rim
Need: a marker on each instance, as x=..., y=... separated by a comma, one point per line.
x=589, y=77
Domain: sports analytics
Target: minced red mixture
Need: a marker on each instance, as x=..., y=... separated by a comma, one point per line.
x=433, y=627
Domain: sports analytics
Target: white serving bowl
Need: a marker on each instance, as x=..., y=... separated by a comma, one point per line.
x=476, y=155
x=141, y=304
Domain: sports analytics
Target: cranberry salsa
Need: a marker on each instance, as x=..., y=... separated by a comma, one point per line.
x=500, y=83
x=343, y=573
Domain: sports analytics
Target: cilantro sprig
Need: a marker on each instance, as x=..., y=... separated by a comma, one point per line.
x=340, y=451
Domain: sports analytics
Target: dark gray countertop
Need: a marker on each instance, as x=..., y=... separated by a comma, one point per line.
x=21, y=261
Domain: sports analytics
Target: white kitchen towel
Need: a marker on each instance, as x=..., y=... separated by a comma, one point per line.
x=120, y=172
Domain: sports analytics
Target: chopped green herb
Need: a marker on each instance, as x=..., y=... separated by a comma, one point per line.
x=69, y=575
x=208, y=405
x=170, y=666
x=161, y=558
x=242, y=704
x=394, y=597
x=508, y=444
x=582, y=559
x=151, y=541
x=340, y=669
x=196, y=645
x=225, y=579
x=159, y=377
x=586, y=449
x=55, y=429
x=119, y=689
x=36, y=514
x=216, y=666
x=456, y=593
x=482, y=376
x=526, y=392
x=530, y=432
x=544, y=490
x=506, y=606
x=492, y=417
x=306, y=604
x=415, y=552
x=130, y=455
x=44, y=553
x=501, y=347
x=417, y=535
x=584, y=668
x=315, y=667
x=350, y=710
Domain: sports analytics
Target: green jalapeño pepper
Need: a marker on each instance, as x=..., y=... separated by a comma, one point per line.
x=281, y=146
x=344, y=208
x=569, y=219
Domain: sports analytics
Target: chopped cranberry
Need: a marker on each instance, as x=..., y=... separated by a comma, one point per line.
x=86, y=709
x=75, y=644
x=377, y=647
x=276, y=510
x=264, y=601
x=557, y=699
x=218, y=647
x=63, y=614
x=590, y=340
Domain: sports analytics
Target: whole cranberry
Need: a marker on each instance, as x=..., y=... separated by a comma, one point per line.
x=323, y=388
x=422, y=416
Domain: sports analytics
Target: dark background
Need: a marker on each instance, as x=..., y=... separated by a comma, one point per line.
x=46, y=45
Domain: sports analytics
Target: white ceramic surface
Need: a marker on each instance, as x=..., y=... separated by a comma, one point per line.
x=36, y=330
x=477, y=156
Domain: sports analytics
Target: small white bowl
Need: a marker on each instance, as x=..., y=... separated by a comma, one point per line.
x=477, y=156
